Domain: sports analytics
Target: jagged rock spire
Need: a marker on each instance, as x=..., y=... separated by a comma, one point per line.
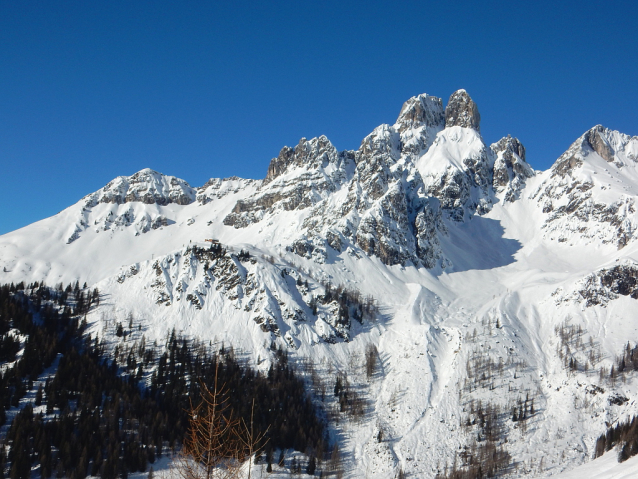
x=510, y=168
x=462, y=111
x=421, y=110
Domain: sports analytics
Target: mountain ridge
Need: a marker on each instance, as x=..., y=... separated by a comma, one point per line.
x=459, y=262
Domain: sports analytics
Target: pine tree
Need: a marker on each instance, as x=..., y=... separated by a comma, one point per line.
x=312, y=466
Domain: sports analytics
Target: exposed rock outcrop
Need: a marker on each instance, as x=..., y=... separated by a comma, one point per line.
x=605, y=285
x=457, y=171
x=510, y=168
x=567, y=196
x=462, y=111
x=420, y=119
x=598, y=142
x=298, y=178
x=308, y=154
x=145, y=186
x=384, y=213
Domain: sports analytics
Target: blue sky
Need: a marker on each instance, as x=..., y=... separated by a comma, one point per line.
x=93, y=90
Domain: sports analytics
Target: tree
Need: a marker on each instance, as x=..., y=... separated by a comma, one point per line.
x=371, y=359
x=251, y=442
x=210, y=449
x=217, y=443
x=312, y=466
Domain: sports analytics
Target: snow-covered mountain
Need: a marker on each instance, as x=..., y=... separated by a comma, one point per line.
x=489, y=289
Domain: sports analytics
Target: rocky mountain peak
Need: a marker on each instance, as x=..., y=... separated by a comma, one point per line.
x=298, y=178
x=420, y=119
x=611, y=146
x=462, y=111
x=146, y=186
x=306, y=153
x=509, y=146
x=419, y=111
x=383, y=141
x=597, y=139
x=510, y=168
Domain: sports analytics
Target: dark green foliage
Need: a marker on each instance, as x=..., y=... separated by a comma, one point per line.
x=312, y=466
x=350, y=301
x=53, y=331
x=104, y=422
x=625, y=435
x=281, y=402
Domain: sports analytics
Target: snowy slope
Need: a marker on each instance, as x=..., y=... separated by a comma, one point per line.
x=605, y=467
x=482, y=269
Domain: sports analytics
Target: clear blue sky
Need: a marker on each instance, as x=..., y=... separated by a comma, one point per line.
x=90, y=90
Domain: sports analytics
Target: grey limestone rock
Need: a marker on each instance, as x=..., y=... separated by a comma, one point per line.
x=510, y=168
x=597, y=141
x=567, y=198
x=145, y=186
x=298, y=178
x=308, y=153
x=419, y=111
x=420, y=119
x=605, y=285
x=462, y=111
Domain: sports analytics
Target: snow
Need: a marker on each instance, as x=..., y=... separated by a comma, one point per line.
x=605, y=467
x=500, y=290
x=450, y=148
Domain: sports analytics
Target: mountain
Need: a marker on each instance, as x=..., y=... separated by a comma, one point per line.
x=475, y=306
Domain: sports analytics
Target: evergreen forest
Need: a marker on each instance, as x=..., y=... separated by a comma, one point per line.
x=71, y=407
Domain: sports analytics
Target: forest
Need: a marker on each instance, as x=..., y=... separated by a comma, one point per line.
x=96, y=412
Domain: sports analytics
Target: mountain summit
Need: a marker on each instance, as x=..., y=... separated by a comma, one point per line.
x=472, y=305
x=462, y=111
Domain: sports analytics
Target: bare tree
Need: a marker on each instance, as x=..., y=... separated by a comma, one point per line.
x=251, y=442
x=217, y=443
x=372, y=355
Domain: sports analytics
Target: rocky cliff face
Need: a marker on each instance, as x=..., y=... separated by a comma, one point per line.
x=510, y=168
x=145, y=186
x=457, y=170
x=420, y=119
x=462, y=111
x=603, y=286
x=576, y=195
x=384, y=213
x=116, y=206
x=298, y=178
